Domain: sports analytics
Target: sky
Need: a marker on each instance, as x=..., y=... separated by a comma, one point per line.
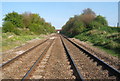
x=58, y=13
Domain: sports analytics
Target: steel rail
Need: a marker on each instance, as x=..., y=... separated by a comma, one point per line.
x=15, y=58
x=27, y=75
x=76, y=72
x=112, y=71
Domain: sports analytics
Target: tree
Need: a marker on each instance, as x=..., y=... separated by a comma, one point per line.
x=26, y=22
x=101, y=20
x=79, y=27
x=94, y=24
x=84, y=22
x=35, y=18
x=88, y=15
x=8, y=27
x=27, y=18
x=15, y=19
x=88, y=11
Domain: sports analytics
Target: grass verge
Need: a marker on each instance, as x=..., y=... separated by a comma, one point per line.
x=10, y=40
x=111, y=52
x=105, y=40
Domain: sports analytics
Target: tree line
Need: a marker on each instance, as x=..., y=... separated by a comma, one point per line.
x=80, y=23
x=26, y=23
x=94, y=29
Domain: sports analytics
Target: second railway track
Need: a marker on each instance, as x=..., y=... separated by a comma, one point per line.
x=19, y=66
x=18, y=56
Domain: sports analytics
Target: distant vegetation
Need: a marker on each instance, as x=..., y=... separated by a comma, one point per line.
x=26, y=24
x=84, y=22
x=20, y=28
x=93, y=28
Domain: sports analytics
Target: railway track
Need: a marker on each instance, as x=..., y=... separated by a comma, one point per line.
x=112, y=61
x=5, y=56
x=17, y=57
x=39, y=65
x=73, y=65
x=59, y=65
x=18, y=66
x=108, y=71
x=58, y=58
x=29, y=73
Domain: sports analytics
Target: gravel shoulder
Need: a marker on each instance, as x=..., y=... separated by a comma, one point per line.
x=109, y=59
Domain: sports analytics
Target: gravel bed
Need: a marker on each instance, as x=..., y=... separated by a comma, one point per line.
x=87, y=67
x=39, y=71
x=109, y=59
x=55, y=64
x=19, y=50
x=5, y=56
x=58, y=66
x=18, y=69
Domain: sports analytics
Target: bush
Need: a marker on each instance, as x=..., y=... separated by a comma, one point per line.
x=27, y=23
x=78, y=27
x=101, y=20
x=37, y=29
x=84, y=22
x=17, y=32
x=94, y=24
x=112, y=45
x=34, y=27
x=14, y=18
x=8, y=27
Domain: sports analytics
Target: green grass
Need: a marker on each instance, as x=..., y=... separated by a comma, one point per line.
x=10, y=40
x=111, y=52
x=107, y=39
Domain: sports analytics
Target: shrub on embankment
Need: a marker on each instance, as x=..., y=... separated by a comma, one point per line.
x=26, y=24
x=93, y=28
x=109, y=40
